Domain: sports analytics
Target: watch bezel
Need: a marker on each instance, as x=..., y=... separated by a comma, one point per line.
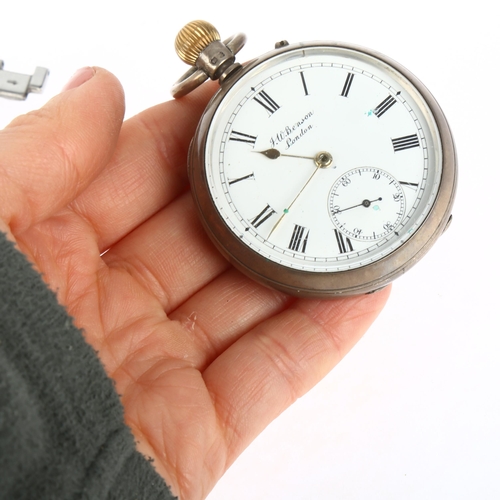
x=296, y=282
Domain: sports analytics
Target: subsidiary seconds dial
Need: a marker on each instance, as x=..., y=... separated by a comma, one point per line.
x=367, y=204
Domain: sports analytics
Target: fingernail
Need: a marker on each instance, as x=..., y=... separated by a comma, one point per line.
x=81, y=76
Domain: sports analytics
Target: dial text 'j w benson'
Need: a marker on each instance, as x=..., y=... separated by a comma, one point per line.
x=292, y=133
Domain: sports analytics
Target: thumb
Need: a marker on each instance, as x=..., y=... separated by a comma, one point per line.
x=47, y=157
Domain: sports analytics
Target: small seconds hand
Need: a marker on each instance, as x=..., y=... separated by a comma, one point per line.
x=364, y=203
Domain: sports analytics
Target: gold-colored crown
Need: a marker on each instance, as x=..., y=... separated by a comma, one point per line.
x=193, y=38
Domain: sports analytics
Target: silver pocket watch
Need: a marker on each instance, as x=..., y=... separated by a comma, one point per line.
x=321, y=169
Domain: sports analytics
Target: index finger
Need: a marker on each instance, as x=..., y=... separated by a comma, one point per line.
x=49, y=156
x=148, y=169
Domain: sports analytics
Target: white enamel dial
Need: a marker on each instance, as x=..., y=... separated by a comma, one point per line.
x=289, y=134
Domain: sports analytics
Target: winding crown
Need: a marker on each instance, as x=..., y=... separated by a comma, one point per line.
x=193, y=38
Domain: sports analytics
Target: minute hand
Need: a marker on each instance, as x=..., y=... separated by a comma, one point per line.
x=294, y=200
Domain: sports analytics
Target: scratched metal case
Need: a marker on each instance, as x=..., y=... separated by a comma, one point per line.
x=364, y=279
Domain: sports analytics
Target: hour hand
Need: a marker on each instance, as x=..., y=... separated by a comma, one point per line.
x=323, y=159
x=274, y=153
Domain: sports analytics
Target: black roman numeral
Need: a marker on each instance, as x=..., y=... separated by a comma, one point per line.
x=347, y=85
x=262, y=217
x=240, y=137
x=298, y=241
x=386, y=104
x=306, y=92
x=244, y=178
x=409, y=184
x=266, y=102
x=405, y=142
x=343, y=242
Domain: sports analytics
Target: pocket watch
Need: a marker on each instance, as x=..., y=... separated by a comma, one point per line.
x=321, y=169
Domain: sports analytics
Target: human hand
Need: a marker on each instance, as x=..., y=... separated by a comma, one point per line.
x=203, y=358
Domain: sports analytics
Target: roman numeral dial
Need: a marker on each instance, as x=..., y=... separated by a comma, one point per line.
x=316, y=163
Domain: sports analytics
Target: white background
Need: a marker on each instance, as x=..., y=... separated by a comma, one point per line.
x=413, y=412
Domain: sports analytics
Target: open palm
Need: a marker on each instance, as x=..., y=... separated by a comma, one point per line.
x=203, y=358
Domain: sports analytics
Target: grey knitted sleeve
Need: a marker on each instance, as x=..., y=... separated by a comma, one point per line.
x=62, y=431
